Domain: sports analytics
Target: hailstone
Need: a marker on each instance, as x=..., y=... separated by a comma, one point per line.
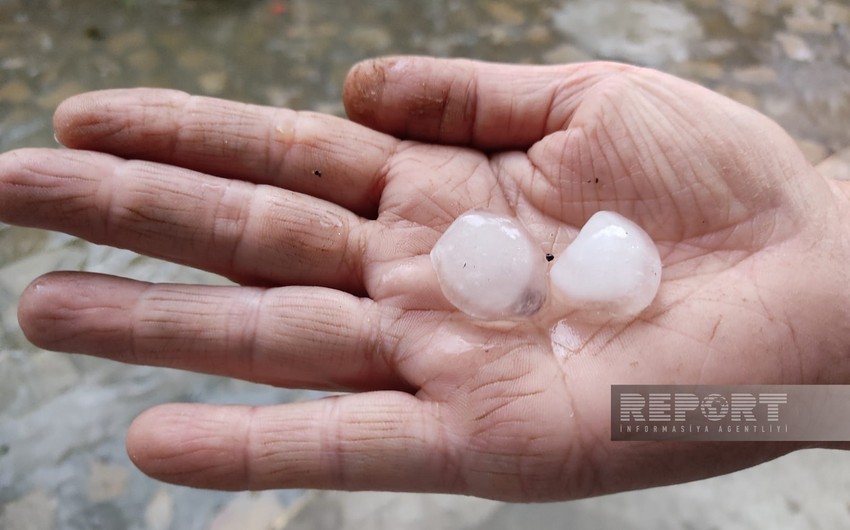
x=489, y=267
x=612, y=268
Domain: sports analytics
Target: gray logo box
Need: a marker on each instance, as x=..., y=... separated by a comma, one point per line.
x=731, y=412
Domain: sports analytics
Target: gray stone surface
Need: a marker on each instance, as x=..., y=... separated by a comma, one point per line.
x=63, y=418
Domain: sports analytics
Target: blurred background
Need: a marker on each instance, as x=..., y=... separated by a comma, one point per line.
x=63, y=418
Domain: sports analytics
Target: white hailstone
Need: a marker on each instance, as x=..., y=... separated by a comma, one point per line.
x=489, y=267
x=612, y=267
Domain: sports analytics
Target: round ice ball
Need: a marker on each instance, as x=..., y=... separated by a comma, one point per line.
x=612, y=267
x=489, y=267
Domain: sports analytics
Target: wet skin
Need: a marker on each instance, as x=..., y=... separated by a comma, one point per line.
x=337, y=290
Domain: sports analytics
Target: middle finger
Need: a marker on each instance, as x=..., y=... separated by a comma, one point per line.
x=250, y=233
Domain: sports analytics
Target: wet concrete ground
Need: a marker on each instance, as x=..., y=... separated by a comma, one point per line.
x=62, y=418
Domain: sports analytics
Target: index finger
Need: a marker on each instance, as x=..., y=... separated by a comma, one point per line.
x=316, y=154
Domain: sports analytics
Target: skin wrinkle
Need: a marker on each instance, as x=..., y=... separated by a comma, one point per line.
x=312, y=147
x=378, y=341
x=169, y=465
x=250, y=325
x=410, y=345
x=67, y=334
x=526, y=186
x=408, y=153
x=85, y=123
x=714, y=331
x=242, y=167
x=501, y=381
x=31, y=165
x=381, y=176
x=448, y=215
x=547, y=190
x=609, y=338
x=670, y=188
x=337, y=332
x=198, y=334
x=282, y=472
x=641, y=143
x=511, y=104
x=565, y=94
x=698, y=341
x=585, y=160
x=594, y=164
x=509, y=400
x=182, y=108
x=355, y=242
x=532, y=463
x=108, y=204
x=333, y=458
x=576, y=445
x=592, y=448
x=768, y=188
x=783, y=320
x=272, y=164
x=505, y=185
x=444, y=352
x=622, y=118
x=251, y=450
x=483, y=167
x=659, y=158
x=554, y=91
x=237, y=120
x=160, y=332
x=708, y=357
x=285, y=138
x=598, y=155
x=684, y=133
x=470, y=112
x=461, y=187
x=134, y=348
x=798, y=347
x=236, y=221
x=154, y=185
x=205, y=444
x=451, y=470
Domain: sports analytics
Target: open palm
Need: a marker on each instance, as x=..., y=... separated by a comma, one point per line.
x=327, y=226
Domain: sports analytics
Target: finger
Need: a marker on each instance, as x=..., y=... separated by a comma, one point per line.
x=291, y=337
x=453, y=101
x=311, y=153
x=373, y=441
x=246, y=232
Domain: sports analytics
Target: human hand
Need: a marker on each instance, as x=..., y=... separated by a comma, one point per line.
x=327, y=224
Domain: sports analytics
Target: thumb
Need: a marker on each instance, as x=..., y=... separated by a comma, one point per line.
x=457, y=101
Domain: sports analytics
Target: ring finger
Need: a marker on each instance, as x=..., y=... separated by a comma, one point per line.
x=290, y=336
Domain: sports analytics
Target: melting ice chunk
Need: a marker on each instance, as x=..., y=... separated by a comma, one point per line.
x=612, y=267
x=489, y=267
